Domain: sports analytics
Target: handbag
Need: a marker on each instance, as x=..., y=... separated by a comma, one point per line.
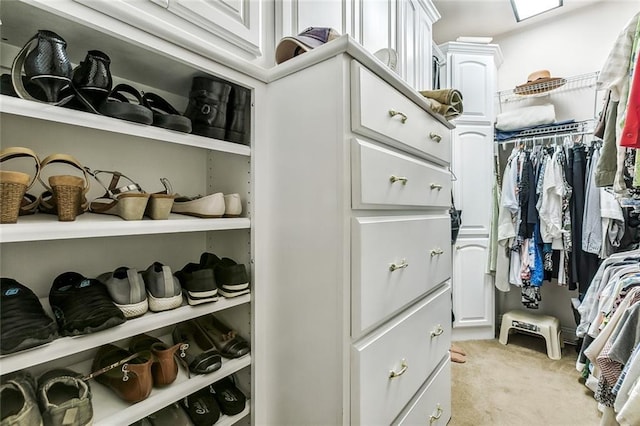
x=456, y=220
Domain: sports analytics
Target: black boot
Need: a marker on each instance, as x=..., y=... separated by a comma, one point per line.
x=235, y=115
x=207, y=107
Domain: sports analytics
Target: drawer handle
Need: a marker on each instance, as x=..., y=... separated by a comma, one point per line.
x=436, y=186
x=403, y=368
x=394, y=179
x=393, y=113
x=435, y=137
x=436, y=252
x=402, y=265
x=437, y=415
x=438, y=331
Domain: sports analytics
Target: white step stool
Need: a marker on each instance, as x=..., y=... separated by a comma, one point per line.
x=542, y=325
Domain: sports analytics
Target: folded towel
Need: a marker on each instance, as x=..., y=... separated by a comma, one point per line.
x=449, y=112
x=451, y=97
x=526, y=117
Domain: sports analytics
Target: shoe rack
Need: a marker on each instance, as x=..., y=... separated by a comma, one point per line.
x=38, y=248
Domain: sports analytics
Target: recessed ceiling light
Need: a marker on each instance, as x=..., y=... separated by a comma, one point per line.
x=524, y=9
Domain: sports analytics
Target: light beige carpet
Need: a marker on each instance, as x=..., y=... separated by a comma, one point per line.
x=518, y=385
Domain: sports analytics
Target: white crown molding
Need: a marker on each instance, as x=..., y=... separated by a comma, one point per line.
x=475, y=49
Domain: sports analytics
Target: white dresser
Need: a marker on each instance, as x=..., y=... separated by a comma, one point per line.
x=353, y=196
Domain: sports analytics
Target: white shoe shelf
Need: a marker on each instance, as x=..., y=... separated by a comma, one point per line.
x=36, y=248
x=114, y=411
x=66, y=346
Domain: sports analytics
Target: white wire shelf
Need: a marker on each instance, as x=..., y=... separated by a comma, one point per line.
x=554, y=86
x=551, y=132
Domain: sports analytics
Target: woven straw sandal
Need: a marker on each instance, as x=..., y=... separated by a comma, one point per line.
x=129, y=201
x=65, y=195
x=160, y=203
x=13, y=186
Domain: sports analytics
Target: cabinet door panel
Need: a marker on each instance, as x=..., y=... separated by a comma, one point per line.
x=472, y=286
x=473, y=75
x=473, y=167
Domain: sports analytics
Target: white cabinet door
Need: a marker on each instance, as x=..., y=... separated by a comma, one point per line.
x=237, y=21
x=203, y=26
x=294, y=16
x=472, y=165
x=375, y=24
x=472, y=286
x=474, y=75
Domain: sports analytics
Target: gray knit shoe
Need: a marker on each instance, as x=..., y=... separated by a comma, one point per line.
x=163, y=289
x=126, y=288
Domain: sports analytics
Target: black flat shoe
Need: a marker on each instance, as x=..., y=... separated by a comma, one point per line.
x=228, y=342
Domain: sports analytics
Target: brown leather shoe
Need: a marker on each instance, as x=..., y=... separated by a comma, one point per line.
x=127, y=374
x=165, y=365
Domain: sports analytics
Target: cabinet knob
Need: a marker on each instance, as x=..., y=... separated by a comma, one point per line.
x=436, y=252
x=393, y=113
x=435, y=137
x=402, y=179
x=438, y=331
x=436, y=415
x=436, y=186
x=403, y=367
x=402, y=265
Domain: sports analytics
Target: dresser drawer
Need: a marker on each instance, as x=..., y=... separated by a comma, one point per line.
x=389, y=367
x=395, y=260
x=386, y=179
x=381, y=112
x=433, y=405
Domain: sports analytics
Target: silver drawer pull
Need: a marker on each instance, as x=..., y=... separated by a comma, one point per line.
x=393, y=113
x=436, y=252
x=438, y=331
x=394, y=179
x=402, y=265
x=435, y=137
x=403, y=368
x=437, y=415
x=436, y=186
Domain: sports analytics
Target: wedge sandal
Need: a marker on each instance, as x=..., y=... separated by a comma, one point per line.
x=128, y=201
x=13, y=186
x=160, y=203
x=65, y=195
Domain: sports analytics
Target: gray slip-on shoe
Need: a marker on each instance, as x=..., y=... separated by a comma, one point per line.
x=163, y=289
x=18, y=404
x=126, y=288
x=65, y=399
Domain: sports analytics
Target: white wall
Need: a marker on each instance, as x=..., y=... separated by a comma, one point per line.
x=569, y=45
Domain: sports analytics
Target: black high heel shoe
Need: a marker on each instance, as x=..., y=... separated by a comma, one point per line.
x=92, y=80
x=45, y=63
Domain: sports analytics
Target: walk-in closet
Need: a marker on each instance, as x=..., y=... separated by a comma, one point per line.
x=359, y=212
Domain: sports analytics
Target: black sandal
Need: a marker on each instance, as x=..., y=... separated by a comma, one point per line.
x=118, y=105
x=165, y=115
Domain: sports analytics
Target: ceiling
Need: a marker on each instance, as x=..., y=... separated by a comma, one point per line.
x=488, y=18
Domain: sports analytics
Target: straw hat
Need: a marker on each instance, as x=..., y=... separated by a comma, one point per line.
x=539, y=82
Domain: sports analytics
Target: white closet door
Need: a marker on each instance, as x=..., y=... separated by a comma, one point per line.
x=472, y=286
x=473, y=75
